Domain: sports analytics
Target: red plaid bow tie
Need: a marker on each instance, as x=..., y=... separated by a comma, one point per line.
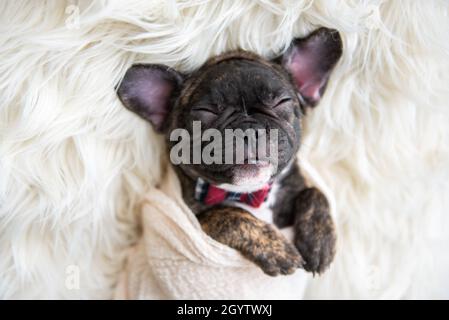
x=210, y=194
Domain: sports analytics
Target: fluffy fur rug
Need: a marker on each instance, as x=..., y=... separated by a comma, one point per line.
x=74, y=164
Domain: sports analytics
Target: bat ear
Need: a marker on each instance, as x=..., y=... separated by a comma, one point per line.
x=310, y=61
x=147, y=90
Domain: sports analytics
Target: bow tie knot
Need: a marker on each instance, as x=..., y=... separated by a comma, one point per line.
x=210, y=194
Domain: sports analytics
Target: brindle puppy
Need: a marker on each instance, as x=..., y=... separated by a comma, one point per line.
x=241, y=90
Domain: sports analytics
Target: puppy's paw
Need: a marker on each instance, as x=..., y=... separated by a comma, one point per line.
x=274, y=254
x=315, y=235
x=258, y=241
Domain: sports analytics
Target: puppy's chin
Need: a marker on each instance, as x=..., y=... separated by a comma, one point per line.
x=248, y=177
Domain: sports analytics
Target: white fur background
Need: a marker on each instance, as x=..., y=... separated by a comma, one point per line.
x=74, y=163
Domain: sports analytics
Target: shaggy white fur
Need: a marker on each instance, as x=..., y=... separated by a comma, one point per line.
x=74, y=164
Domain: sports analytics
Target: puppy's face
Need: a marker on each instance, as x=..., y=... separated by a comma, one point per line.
x=237, y=90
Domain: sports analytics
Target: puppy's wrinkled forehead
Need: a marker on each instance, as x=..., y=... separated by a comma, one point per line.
x=226, y=80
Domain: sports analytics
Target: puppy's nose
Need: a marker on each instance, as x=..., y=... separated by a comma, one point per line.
x=251, y=138
x=248, y=123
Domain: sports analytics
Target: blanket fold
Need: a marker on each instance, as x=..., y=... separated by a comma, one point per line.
x=175, y=259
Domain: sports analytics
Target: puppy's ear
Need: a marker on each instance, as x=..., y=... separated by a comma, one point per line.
x=310, y=61
x=148, y=90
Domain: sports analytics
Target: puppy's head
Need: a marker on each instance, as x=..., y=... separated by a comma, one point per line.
x=236, y=90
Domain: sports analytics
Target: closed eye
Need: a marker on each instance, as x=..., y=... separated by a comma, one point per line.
x=282, y=101
x=204, y=109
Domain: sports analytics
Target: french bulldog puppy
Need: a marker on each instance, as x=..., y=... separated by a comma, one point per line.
x=241, y=90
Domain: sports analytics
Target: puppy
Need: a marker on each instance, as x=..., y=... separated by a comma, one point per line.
x=241, y=90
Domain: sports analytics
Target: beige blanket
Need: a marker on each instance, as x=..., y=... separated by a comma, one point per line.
x=175, y=259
